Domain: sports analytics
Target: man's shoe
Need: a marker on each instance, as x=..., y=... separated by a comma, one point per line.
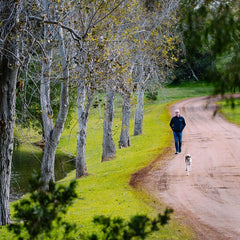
x=176, y=152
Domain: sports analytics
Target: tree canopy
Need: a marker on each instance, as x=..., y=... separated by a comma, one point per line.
x=214, y=26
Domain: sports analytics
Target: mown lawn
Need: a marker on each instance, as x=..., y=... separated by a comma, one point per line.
x=106, y=189
x=230, y=113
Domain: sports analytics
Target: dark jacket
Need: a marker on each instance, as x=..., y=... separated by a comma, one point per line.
x=177, y=123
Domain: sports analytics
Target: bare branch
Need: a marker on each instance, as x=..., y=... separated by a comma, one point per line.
x=40, y=45
x=14, y=55
x=59, y=24
x=91, y=20
x=96, y=22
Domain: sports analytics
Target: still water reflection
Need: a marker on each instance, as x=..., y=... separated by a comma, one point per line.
x=24, y=163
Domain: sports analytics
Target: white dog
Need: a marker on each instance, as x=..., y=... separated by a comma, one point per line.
x=188, y=162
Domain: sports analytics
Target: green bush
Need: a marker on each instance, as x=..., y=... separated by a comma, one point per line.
x=139, y=227
x=40, y=216
x=42, y=212
x=152, y=95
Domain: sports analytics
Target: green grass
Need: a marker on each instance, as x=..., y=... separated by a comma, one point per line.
x=106, y=189
x=231, y=114
x=185, y=90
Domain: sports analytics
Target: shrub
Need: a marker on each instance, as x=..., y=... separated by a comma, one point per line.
x=152, y=95
x=139, y=227
x=42, y=213
x=40, y=216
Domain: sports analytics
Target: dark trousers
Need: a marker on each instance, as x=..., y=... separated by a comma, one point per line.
x=178, y=140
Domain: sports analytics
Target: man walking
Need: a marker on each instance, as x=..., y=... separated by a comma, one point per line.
x=177, y=124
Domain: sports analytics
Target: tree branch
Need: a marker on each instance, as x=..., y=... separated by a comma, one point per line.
x=91, y=20
x=78, y=37
x=14, y=55
x=96, y=22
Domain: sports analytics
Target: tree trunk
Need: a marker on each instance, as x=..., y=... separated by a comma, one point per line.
x=109, y=148
x=126, y=111
x=138, y=122
x=9, y=66
x=47, y=167
x=53, y=133
x=83, y=111
x=8, y=81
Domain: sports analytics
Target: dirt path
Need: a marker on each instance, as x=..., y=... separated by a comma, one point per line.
x=209, y=198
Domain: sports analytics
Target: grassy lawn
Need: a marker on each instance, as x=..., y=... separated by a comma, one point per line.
x=231, y=114
x=106, y=189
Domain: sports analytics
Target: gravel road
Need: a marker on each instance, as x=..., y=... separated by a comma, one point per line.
x=208, y=199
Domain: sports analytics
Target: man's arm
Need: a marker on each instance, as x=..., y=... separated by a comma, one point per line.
x=184, y=124
x=171, y=124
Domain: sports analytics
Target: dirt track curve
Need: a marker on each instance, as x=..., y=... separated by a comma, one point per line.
x=209, y=199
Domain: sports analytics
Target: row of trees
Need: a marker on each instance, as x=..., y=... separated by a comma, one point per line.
x=211, y=34
x=52, y=51
x=53, y=54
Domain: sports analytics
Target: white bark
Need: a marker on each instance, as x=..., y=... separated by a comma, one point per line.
x=53, y=133
x=138, y=122
x=47, y=168
x=9, y=66
x=8, y=80
x=83, y=111
x=109, y=148
x=126, y=111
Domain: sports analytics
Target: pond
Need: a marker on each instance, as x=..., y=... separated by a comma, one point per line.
x=25, y=161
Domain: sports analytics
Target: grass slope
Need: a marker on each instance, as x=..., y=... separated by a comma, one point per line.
x=106, y=189
x=231, y=114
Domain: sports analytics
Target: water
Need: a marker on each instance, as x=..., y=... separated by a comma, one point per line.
x=25, y=162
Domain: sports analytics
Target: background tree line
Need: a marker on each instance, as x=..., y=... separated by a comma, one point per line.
x=210, y=31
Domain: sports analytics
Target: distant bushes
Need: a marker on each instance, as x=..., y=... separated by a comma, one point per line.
x=198, y=65
x=151, y=95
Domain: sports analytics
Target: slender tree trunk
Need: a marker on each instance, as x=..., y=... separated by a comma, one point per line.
x=47, y=168
x=188, y=64
x=8, y=80
x=109, y=148
x=53, y=133
x=9, y=66
x=193, y=73
x=83, y=111
x=126, y=111
x=138, y=122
